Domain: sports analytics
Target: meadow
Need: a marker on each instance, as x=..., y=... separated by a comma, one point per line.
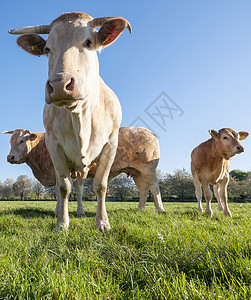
x=182, y=254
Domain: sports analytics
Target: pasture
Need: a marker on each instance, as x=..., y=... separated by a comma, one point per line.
x=182, y=254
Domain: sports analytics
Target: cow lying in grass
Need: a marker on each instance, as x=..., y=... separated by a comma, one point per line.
x=210, y=163
x=137, y=155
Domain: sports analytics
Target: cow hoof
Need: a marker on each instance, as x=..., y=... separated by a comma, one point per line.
x=161, y=210
x=81, y=214
x=228, y=214
x=209, y=213
x=200, y=209
x=103, y=226
x=62, y=226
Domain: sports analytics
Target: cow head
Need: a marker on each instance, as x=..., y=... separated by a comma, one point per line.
x=228, y=141
x=20, y=142
x=71, y=48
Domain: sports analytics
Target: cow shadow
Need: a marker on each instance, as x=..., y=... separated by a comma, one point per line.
x=30, y=213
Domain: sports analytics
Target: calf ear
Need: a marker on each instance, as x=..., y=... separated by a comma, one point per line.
x=31, y=137
x=214, y=133
x=111, y=30
x=243, y=135
x=10, y=132
x=32, y=43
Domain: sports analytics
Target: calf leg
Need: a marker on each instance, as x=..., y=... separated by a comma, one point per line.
x=143, y=190
x=223, y=195
x=216, y=193
x=152, y=183
x=198, y=192
x=208, y=196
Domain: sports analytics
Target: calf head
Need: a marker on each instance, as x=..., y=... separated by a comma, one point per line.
x=71, y=48
x=20, y=142
x=228, y=141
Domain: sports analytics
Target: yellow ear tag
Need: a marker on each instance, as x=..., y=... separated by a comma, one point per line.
x=109, y=35
x=36, y=49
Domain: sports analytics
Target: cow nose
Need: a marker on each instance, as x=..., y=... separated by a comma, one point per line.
x=60, y=88
x=240, y=148
x=10, y=158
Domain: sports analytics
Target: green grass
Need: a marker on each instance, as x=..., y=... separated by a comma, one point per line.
x=146, y=255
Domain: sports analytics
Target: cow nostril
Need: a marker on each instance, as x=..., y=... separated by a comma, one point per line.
x=49, y=88
x=70, y=85
x=10, y=157
x=240, y=148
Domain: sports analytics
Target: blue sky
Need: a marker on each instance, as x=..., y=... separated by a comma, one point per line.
x=185, y=69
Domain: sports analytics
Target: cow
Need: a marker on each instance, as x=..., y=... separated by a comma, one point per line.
x=137, y=155
x=82, y=114
x=210, y=162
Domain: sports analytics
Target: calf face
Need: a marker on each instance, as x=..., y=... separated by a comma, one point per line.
x=228, y=141
x=20, y=142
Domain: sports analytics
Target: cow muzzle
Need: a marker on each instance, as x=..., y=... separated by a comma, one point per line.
x=11, y=159
x=239, y=149
x=61, y=90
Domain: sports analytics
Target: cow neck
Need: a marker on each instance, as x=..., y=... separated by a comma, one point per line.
x=216, y=154
x=36, y=160
x=82, y=125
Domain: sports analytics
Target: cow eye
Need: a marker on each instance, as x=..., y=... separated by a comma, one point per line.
x=46, y=50
x=88, y=44
x=225, y=138
x=21, y=141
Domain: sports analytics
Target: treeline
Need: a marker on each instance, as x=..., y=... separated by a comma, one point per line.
x=176, y=187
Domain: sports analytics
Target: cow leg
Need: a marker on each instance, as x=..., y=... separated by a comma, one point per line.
x=79, y=192
x=198, y=192
x=100, y=182
x=58, y=200
x=208, y=196
x=143, y=190
x=152, y=183
x=216, y=193
x=223, y=195
x=63, y=181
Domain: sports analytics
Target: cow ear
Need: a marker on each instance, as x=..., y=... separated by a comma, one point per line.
x=10, y=132
x=31, y=137
x=32, y=43
x=111, y=30
x=243, y=135
x=214, y=133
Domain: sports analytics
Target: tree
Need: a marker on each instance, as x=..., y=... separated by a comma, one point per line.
x=122, y=187
x=7, y=191
x=239, y=175
x=50, y=191
x=181, y=184
x=37, y=188
x=88, y=191
x=22, y=186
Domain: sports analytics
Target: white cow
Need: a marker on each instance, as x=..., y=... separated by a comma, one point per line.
x=82, y=115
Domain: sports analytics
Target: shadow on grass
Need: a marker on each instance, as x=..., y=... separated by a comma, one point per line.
x=29, y=213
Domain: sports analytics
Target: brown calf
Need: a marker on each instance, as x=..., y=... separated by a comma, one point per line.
x=210, y=163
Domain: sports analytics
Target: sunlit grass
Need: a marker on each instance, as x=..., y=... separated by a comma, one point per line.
x=178, y=255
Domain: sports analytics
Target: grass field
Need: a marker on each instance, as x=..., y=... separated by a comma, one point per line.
x=146, y=255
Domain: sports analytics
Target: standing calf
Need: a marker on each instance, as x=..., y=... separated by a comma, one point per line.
x=210, y=163
x=137, y=155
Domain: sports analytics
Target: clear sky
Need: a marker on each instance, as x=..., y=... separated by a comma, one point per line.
x=185, y=69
